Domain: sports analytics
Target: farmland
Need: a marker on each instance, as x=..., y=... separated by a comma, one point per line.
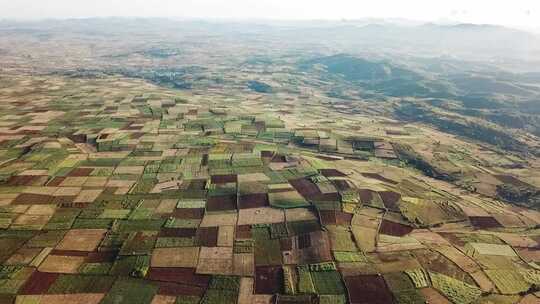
x=227, y=183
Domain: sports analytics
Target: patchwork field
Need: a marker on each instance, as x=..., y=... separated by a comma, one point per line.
x=141, y=177
x=143, y=195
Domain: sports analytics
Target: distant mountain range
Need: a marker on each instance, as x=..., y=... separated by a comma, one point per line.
x=465, y=41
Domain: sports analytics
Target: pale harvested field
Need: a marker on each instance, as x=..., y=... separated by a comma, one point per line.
x=175, y=257
x=61, y=264
x=85, y=298
x=243, y=264
x=219, y=219
x=264, y=215
x=225, y=236
x=82, y=239
x=215, y=260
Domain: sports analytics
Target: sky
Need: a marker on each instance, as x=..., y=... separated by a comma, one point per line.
x=515, y=13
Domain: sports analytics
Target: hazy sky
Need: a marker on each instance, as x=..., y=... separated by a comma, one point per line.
x=522, y=13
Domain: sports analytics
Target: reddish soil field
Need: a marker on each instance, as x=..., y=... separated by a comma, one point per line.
x=28, y=132
x=260, y=126
x=69, y=253
x=136, y=135
x=380, y=178
x=279, y=190
x=78, y=138
x=452, y=238
x=267, y=153
x=484, y=222
x=38, y=283
x=394, y=229
x=207, y=236
x=56, y=181
x=177, y=232
x=529, y=254
x=196, y=184
x=536, y=238
x=33, y=199
x=390, y=199
x=221, y=203
x=25, y=180
x=341, y=185
x=285, y=244
x=328, y=217
x=133, y=128
x=253, y=200
x=65, y=201
x=368, y=289
x=243, y=232
x=268, y=279
x=433, y=296
x=178, y=275
x=397, y=256
x=223, y=179
x=516, y=208
x=204, y=160
x=328, y=197
x=332, y=217
x=81, y=172
x=304, y=241
x=305, y=187
x=279, y=159
x=509, y=179
x=284, y=112
x=175, y=289
x=343, y=218
x=332, y=173
x=188, y=213
x=439, y=263
x=365, y=195
x=102, y=257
